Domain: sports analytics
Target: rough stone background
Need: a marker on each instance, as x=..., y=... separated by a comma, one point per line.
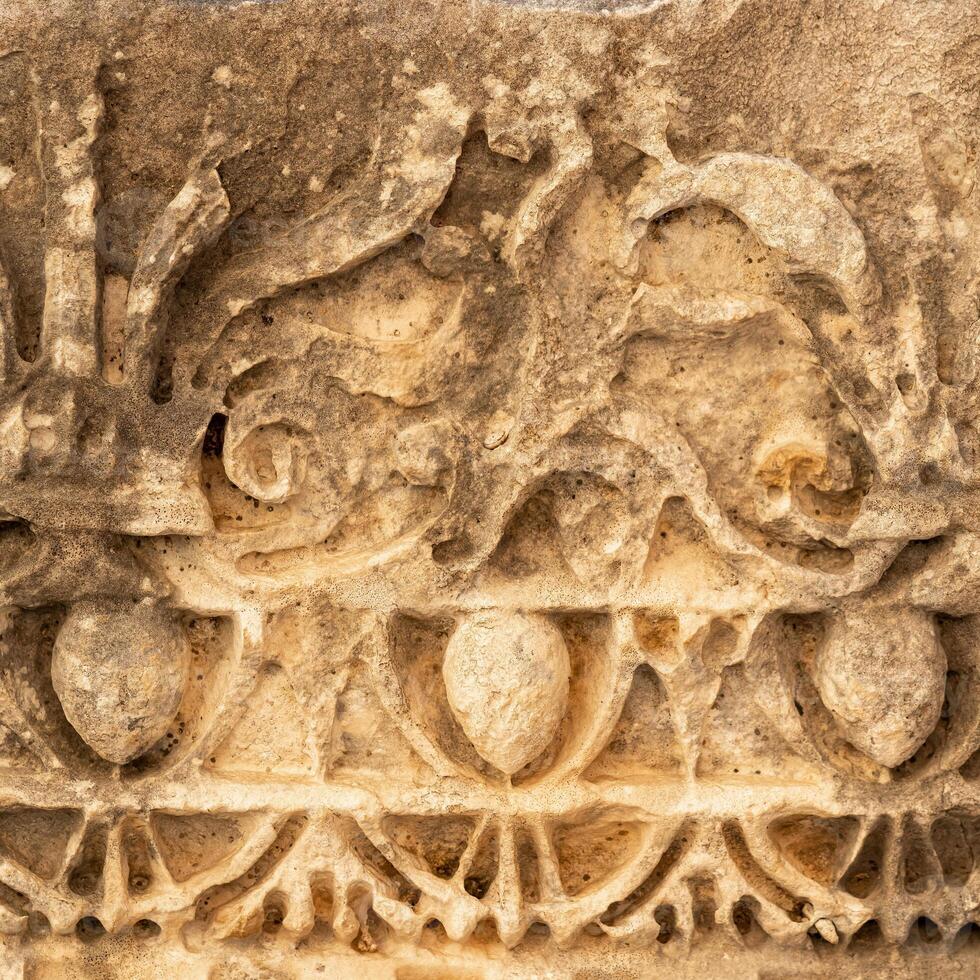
x=329, y=326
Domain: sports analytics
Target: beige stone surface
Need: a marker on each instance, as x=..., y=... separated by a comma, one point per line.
x=489, y=489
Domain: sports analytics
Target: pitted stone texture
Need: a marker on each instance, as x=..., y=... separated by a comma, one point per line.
x=883, y=674
x=506, y=679
x=119, y=672
x=489, y=489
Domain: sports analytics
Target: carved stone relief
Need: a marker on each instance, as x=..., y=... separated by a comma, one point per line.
x=489, y=490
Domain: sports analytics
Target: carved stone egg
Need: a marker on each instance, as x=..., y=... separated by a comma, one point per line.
x=506, y=678
x=883, y=677
x=119, y=671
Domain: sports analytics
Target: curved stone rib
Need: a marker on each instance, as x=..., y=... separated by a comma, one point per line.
x=446, y=900
x=786, y=208
x=190, y=222
x=826, y=901
x=391, y=696
x=415, y=170
x=639, y=920
x=69, y=115
x=61, y=908
x=548, y=871
x=509, y=911
x=16, y=720
x=260, y=837
x=622, y=649
x=571, y=147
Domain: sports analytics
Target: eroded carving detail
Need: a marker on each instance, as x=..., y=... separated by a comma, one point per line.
x=544, y=531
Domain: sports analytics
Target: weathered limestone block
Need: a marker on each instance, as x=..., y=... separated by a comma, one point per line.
x=489, y=489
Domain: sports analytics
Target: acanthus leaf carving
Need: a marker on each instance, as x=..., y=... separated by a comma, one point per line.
x=548, y=536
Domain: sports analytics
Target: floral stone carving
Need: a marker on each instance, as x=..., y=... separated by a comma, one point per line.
x=489, y=490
